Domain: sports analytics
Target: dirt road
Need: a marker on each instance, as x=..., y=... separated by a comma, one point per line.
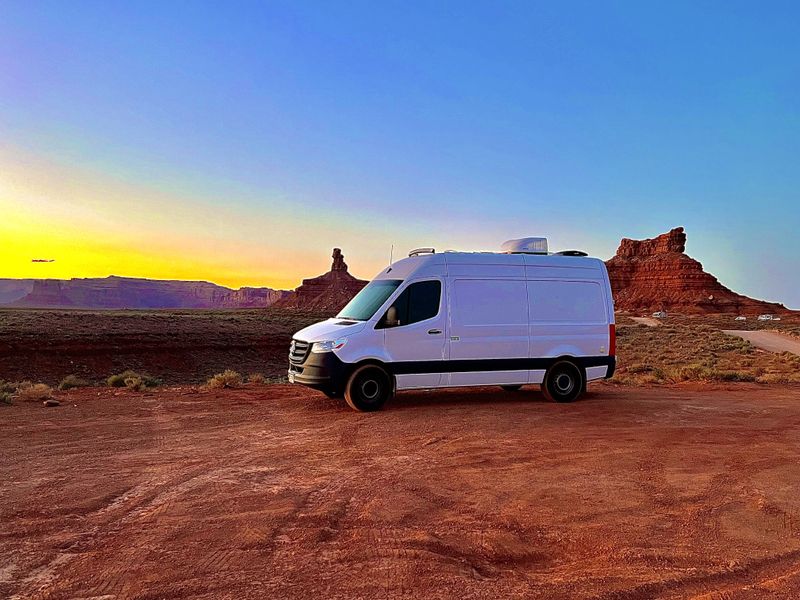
x=277, y=492
x=768, y=340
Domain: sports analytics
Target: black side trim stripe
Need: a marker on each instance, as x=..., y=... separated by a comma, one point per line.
x=493, y=364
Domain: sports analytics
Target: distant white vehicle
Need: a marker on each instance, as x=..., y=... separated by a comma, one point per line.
x=660, y=315
x=766, y=318
x=740, y=319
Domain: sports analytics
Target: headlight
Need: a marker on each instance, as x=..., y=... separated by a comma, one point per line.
x=328, y=346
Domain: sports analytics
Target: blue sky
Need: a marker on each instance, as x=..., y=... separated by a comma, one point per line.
x=361, y=124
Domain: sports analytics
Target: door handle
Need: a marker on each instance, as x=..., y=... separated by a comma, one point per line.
x=434, y=331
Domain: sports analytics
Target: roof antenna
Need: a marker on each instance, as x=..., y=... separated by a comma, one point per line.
x=391, y=254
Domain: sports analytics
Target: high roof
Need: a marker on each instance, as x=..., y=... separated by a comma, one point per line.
x=455, y=262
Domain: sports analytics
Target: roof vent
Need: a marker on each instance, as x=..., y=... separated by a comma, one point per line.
x=529, y=245
x=418, y=251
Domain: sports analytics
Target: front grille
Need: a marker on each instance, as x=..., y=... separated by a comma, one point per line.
x=298, y=352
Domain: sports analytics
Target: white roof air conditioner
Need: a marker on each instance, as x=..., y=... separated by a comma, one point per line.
x=528, y=245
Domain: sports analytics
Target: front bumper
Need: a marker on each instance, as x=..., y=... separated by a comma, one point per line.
x=321, y=371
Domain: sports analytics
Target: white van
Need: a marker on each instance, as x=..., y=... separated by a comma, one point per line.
x=462, y=319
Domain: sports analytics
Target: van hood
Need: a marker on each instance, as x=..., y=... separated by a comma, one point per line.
x=330, y=329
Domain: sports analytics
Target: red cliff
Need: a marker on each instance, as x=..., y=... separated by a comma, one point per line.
x=655, y=274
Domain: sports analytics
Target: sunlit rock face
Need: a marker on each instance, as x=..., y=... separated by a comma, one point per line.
x=655, y=274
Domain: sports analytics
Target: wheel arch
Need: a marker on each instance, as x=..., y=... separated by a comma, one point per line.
x=375, y=362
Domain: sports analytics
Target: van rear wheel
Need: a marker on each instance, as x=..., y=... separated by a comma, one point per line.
x=563, y=382
x=368, y=388
x=511, y=388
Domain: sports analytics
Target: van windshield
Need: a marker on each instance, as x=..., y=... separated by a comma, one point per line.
x=369, y=300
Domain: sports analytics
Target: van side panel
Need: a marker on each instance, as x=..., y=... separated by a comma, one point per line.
x=488, y=321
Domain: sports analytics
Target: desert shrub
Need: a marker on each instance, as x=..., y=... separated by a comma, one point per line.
x=256, y=378
x=773, y=378
x=71, y=381
x=32, y=392
x=5, y=397
x=8, y=387
x=226, y=379
x=132, y=380
x=693, y=372
x=639, y=368
x=734, y=376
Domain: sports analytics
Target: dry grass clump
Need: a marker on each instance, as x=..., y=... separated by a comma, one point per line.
x=71, y=381
x=7, y=391
x=693, y=351
x=257, y=378
x=132, y=380
x=225, y=380
x=33, y=392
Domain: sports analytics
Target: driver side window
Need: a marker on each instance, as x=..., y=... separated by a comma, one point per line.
x=419, y=301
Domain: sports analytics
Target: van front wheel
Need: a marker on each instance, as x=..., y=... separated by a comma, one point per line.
x=368, y=388
x=563, y=382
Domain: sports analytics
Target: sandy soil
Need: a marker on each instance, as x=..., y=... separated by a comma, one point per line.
x=768, y=340
x=278, y=492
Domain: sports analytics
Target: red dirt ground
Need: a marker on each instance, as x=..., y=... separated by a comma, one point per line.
x=278, y=492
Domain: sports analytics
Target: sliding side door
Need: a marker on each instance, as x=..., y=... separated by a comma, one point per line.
x=488, y=331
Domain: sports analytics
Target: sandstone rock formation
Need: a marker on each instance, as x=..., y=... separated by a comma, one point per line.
x=125, y=292
x=328, y=292
x=655, y=274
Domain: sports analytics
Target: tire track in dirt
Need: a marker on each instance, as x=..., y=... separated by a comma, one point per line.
x=715, y=584
x=272, y=492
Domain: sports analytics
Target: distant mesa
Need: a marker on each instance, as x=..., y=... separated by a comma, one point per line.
x=127, y=292
x=328, y=292
x=646, y=275
x=655, y=274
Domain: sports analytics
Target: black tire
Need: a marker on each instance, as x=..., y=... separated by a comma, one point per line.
x=331, y=395
x=368, y=388
x=564, y=382
x=511, y=388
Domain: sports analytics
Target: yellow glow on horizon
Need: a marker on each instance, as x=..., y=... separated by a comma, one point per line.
x=95, y=227
x=93, y=223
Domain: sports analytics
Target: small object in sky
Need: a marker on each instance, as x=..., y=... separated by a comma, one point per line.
x=43, y=260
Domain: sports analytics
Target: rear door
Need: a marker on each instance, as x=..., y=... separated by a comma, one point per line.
x=488, y=331
x=415, y=329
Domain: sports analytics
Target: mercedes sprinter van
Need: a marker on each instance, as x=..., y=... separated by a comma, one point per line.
x=456, y=319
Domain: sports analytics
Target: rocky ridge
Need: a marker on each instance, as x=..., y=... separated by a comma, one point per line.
x=133, y=293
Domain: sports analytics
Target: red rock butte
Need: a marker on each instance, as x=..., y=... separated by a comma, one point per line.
x=656, y=274
x=328, y=292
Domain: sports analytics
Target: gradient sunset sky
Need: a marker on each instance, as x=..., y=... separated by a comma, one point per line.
x=238, y=142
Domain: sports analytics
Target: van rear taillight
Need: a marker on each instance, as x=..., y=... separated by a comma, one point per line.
x=612, y=340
